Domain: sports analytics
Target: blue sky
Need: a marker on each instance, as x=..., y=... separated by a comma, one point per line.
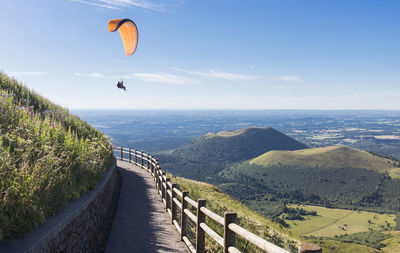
x=217, y=54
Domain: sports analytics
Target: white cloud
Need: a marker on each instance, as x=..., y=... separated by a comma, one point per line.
x=231, y=76
x=95, y=75
x=238, y=77
x=96, y=4
x=220, y=75
x=162, y=77
x=119, y=4
x=286, y=78
x=165, y=78
x=147, y=77
x=29, y=73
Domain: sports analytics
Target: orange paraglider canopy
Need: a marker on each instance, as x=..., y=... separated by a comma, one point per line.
x=128, y=31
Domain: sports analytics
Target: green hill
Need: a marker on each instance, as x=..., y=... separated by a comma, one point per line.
x=327, y=157
x=47, y=157
x=204, y=157
x=239, y=145
x=337, y=176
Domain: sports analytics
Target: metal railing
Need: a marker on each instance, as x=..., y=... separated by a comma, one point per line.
x=175, y=200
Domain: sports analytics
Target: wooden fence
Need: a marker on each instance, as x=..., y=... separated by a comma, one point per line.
x=175, y=199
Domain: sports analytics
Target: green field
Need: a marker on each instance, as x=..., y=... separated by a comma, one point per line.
x=332, y=246
x=330, y=222
x=393, y=243
x=394, y=173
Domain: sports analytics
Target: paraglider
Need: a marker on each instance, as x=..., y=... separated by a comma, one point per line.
x=120, y=85
x=129, y=35
x=128, y=31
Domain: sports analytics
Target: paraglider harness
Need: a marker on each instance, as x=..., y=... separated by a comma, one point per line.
x=120, y=85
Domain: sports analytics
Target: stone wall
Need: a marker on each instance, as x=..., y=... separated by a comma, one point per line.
x=82, y=226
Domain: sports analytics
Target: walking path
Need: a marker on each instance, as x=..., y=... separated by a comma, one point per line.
x=141, y=223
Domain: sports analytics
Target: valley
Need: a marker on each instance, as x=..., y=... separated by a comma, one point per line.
x=347, y=196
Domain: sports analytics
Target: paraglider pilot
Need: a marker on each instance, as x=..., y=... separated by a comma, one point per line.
x=120, y=85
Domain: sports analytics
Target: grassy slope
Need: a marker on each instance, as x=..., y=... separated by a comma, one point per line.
x=393, y=242
x=329, y=172
x=373, y=241
x=330, y=222
x=47, y=157
x=219, y=202
x=340, y=247
x=327, y=157
x=394, y=173
x=254, y=222
x=339, y=176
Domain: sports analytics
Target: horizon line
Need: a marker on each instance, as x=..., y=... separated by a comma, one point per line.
x=221, y=109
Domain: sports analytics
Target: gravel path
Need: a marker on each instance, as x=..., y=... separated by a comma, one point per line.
x=141, y=223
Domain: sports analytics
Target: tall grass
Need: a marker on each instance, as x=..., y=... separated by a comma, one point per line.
x=47, y=157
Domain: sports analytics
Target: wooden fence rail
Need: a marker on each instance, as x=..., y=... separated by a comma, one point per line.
x=175, y=199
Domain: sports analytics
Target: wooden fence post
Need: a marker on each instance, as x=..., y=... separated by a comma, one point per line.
x=200, y=234
x=229, y=236
x=136, y=157
x=167, y=201
x=162, y=186
x=141, y=156
x=156, y=167
x=173, y=206
x=122, y=154
x=184, y=218
x=157, y=175
x=130, y=155
x=159, y=180
x=148, y=162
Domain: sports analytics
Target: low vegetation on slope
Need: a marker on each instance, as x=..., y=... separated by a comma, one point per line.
x=47, y=157
x=219, y=202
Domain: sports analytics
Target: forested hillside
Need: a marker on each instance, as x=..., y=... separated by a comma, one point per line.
x=47, y=157
x=239, y=145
